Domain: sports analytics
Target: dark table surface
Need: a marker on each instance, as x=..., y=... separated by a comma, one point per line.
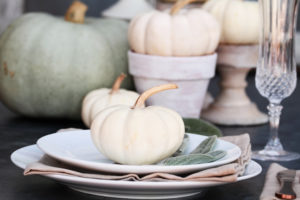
x=16, y=132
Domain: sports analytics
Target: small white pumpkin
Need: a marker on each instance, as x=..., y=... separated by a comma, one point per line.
x=239, y=20
x=192, y=32
x=97, y=100
x=137, y=135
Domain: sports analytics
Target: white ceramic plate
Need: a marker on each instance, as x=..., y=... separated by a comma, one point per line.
x=76, y=148
x=125, y=189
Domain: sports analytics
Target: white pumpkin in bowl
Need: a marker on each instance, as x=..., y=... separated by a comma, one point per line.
x=137, y=135
x=192, y=32
x=240, y=20
x=97, y=100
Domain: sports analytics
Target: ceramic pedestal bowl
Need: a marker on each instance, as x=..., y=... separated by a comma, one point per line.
x=233, y=106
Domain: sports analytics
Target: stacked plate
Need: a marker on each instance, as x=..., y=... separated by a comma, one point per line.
x=76, y=148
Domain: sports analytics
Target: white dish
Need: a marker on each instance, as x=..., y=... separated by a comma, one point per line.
x=76, y=148
x=125, y=189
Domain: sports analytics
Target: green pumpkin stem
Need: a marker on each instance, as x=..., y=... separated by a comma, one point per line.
x=76, y=12
x=148, y=93
x=179, y=5
x=118, y=83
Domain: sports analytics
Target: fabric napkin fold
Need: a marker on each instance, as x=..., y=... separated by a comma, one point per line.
x=272, y=185
x=224, y=173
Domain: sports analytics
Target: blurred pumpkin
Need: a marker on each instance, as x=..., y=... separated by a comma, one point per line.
x=192, y=32
x=97, y=100
x=239, y=20
x=49, y=64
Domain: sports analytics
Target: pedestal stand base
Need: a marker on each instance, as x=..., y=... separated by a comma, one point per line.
x=233, y=106
x=237, y=115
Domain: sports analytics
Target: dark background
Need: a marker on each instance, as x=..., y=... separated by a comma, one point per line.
x=58, y=7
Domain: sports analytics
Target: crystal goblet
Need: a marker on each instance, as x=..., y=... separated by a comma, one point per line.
x=276, y=75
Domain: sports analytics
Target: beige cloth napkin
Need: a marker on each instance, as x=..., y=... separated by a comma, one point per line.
x=272, y=185
x=225, y=173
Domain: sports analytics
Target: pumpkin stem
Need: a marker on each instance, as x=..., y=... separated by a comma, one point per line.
x=143, y=97
x=180, y=4
x=118, y=83
x=76, y=12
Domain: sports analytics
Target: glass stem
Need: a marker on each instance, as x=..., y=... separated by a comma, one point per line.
x=274, y=117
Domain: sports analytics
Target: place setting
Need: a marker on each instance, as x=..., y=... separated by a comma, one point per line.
x=140, y=166
x=80, y=166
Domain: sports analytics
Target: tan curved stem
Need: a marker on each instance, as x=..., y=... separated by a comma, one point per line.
x=76, y=12
x=148, y=93
x=118, y=83
x=179, y=5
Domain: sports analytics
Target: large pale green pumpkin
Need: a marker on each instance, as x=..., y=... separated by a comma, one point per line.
x=48, y=64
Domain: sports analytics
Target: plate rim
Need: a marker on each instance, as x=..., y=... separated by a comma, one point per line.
x=115, y=168
x=130, y=184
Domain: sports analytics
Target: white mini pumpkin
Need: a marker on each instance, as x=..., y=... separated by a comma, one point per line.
x=137, y=135
x=97, y=100
x=239, y=20
x=192, y=32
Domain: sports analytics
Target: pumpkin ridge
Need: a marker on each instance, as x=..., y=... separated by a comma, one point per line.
x=10, y=29
x=126, y=133
x=87, y=103
x=37, y=35
x=101, y=132
x=221, y=17
x=146, y=33
x=227, y=5
x=178, y=119
x=110, y=46
x=190, y=18
x=95, y=101
x=96, y=130
x=171, y=35
x=190, y=32
x=163, y=122
x=131, y=29
x=210, y=39
x=113, y=50
x=152, y=42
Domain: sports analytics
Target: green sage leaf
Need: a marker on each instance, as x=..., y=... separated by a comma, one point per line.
x=201, y=127
x=206, y=145
x=217, y=154
x=192, y=159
